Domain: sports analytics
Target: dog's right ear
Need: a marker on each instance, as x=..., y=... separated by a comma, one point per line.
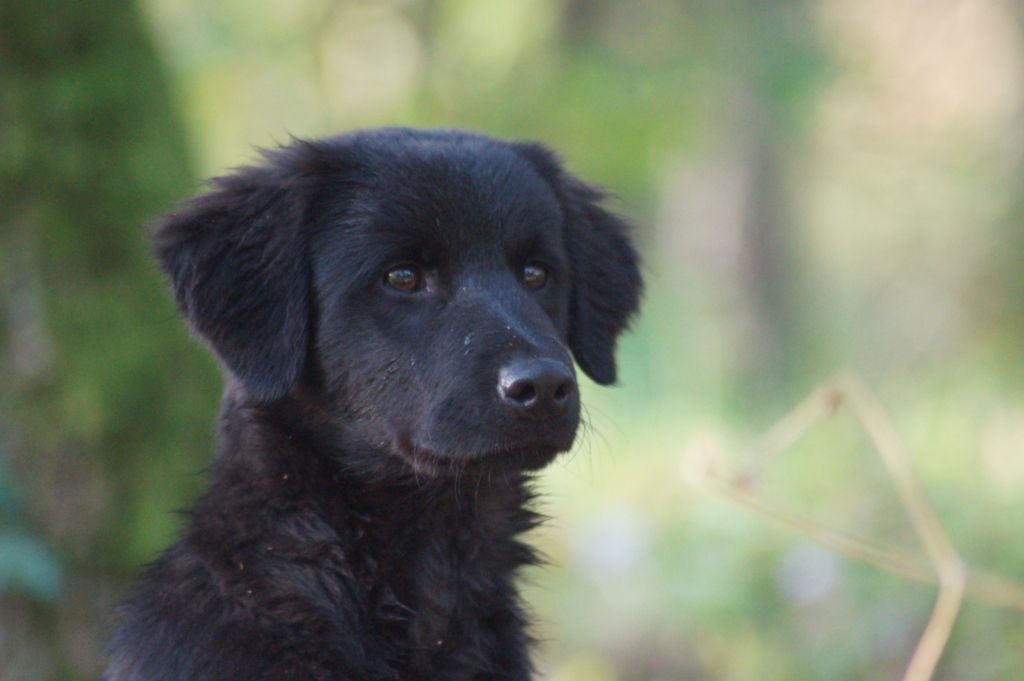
x=238, y=265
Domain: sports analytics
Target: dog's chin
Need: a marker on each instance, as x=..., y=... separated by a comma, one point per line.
x=431, y=463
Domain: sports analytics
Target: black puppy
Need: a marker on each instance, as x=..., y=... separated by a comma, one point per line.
x=395, y=310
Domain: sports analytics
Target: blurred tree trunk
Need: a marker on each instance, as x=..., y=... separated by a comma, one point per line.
x=98, y=431
x=1008, y=311
x=733, y=218
x=769, y=264
x=1006, y=301
x=779, y=67
x=581, y=19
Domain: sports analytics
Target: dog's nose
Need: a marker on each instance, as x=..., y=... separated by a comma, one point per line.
x=536, y=386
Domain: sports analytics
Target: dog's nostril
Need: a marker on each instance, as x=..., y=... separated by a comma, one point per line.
x=536, y=386
x=522, y=392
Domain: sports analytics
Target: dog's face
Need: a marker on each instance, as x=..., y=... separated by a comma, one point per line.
x=427, y=289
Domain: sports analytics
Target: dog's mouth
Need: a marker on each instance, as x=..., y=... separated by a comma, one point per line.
x=519, y=458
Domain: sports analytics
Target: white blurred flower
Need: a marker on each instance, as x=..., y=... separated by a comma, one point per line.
x=611, y=544
x=807, y=574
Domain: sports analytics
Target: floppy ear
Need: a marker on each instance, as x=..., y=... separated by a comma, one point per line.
x=606, y=283
x=238, y=266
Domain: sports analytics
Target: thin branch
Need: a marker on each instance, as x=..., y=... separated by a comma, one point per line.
x=942, y=564
x=980, y=586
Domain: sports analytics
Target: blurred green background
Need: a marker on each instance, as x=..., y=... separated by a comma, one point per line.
x=815, y=184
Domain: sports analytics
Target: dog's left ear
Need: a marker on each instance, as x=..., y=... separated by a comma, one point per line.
x=606, y=283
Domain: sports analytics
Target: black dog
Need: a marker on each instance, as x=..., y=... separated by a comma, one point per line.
x=395, y=310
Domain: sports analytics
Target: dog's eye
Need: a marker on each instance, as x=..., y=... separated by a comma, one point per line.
x=534, y=276
x=405, y=278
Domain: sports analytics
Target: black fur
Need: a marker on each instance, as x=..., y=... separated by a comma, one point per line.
x=370, y=482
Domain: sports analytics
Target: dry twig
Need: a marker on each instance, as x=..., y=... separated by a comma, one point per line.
x=941, y=563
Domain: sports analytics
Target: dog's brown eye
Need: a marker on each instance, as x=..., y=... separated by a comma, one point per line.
x=405, y=278
x=534, y=276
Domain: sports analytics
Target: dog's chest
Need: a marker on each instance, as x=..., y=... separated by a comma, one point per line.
x=444, y=596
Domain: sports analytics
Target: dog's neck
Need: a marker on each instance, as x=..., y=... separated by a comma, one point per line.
x=400, y=538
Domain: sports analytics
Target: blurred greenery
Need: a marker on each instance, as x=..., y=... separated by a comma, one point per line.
x=814, y=183
x=26, y=563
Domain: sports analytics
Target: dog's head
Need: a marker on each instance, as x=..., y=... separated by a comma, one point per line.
x=426, y=288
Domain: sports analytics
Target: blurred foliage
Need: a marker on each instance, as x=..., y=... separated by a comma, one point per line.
x=92, y=147
x=815, y=182
x=26, y=563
